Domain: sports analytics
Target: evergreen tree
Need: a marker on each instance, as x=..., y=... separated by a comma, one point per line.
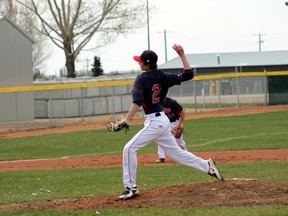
x=97, y=67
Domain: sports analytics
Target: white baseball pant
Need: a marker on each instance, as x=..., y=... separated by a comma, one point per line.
x=157, y=128
x=180, y=141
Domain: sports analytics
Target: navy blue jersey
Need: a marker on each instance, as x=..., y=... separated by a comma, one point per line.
x=172, y=109
x=150, y=88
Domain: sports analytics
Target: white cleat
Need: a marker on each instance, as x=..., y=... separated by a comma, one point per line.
x=160, y=160
x=213, y=171
x=129, y=193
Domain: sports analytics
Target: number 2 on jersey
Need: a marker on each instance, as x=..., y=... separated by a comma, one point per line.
x=156, y=90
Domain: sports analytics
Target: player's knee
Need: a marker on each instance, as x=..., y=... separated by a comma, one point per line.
x=128, y=149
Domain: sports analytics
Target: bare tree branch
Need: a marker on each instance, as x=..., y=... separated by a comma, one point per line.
x=72, y=24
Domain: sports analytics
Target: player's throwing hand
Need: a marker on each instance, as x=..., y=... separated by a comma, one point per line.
x=178, y=49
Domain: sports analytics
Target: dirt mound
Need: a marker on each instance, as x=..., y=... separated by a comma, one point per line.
x=230, y=193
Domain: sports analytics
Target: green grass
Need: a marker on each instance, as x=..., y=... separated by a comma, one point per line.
x=259, y=131
x=26, y=186
x=100, y=142
x=216, y=105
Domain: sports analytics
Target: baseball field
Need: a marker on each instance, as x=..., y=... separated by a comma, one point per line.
x=77, y=169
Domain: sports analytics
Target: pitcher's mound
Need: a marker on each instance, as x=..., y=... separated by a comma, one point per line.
x=229, y=193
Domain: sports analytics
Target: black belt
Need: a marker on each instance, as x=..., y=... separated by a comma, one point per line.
x=157, y=114
x=174, y=120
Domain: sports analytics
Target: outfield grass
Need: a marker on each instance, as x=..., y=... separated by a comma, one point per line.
x=216, y=105
x=259, y=131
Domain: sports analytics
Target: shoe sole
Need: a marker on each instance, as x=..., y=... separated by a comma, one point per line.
x=127, y=198
x=159, y=161
x=216, y=172
x=131, y=197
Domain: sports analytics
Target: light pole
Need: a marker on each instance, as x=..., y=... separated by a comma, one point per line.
x=260, y=41
x=165, y=42
x=148, y=25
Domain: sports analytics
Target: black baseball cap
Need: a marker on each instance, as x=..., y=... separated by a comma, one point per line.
x=147, y=56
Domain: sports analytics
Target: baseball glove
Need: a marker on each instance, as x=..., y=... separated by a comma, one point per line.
x=117, y=126
x=177, y=132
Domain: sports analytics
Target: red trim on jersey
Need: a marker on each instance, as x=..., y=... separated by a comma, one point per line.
x=144, y=105
x=137, y=90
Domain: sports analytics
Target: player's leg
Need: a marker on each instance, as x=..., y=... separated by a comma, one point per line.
x=174, y=152
x=181, y=143
x=140, y=140
x=161, y=155
x=149, y=133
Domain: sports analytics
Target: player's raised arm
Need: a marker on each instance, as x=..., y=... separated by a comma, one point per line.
x=180, y=51
x=188, y=73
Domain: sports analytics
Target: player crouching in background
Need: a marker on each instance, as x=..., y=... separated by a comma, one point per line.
x=176, y=115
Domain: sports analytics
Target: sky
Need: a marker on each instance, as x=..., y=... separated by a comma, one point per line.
x=200, y=26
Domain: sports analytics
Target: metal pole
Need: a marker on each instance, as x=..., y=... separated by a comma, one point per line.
x=203, y=94
x=238, y=88
x=195, y=97
x=113, y=102
x=265, y=83
x=82, y=105
x=16, y=111
x=260, y=41
x=165, y=43
x=148, y=25
x=238, y=92
x=219, y=93
x=50, y=109
x=195, y=89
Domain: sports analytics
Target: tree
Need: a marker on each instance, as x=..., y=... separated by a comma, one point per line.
x=75, y=24
x=97, y=68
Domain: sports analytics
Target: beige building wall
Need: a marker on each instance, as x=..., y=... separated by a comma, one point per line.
x=15, y=71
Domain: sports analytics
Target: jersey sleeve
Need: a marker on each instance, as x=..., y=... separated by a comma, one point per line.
x=176, y=79
x=137, y=91
x=172, y=79
x=187, y=75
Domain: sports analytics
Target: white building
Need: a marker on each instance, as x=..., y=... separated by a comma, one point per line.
x=15, y=71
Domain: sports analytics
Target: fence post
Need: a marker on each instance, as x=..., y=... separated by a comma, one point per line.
x=50, y=114
x=265, y=82
x=82, y=105
x=16, y=111
x=237, y=86
x=219, y=93
x=113, y=102
x=195, y=89
x=195, y=96
x=203, y=94
x=237, y=91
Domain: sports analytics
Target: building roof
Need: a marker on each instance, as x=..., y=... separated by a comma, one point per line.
x=5, y=18
x=231, y=59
